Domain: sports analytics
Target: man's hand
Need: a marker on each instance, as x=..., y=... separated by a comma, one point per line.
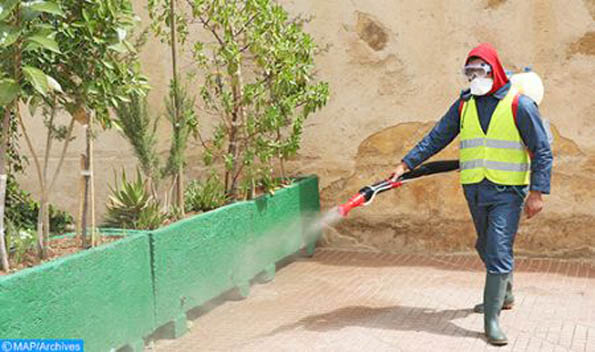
x=534, y=204
x=400, y=170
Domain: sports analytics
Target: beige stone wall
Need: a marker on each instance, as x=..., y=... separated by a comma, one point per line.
x=393, y=68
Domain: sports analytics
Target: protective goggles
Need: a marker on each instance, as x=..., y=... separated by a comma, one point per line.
x=476, y=70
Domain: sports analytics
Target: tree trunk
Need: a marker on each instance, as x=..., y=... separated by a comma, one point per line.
x=181, y=202
x=46, y=225
x=49, y=186
x=40, y=238
x=3, y=177
x=237, y=122
x=39, y=171
x=283, y=175
x=3, y=251
x=174, y=62
x=79, y=217
x=43, y=218
x=92, y=181
x=86, y=176
x=281, y=158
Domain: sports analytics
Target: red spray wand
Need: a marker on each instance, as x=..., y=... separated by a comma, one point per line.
x=367, y=194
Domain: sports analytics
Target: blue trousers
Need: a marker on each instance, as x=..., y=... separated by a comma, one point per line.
x=496, y=211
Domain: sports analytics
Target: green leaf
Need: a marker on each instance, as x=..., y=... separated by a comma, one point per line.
x=119, y=47
x=107, y=64
x=33, y=103
x=53, y=84
x=45, y=30
x=6, y=7
x=37, y=78
x=129, y=47
x=8, y=35
x=45, y=6
x=45, y=42
x=9, y=89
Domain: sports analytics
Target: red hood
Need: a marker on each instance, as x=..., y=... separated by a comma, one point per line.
x=487, y=53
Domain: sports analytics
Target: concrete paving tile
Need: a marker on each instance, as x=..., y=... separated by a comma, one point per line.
x=342, y=300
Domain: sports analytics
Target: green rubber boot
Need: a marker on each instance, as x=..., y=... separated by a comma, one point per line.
x=508, y=299
x=493, y=298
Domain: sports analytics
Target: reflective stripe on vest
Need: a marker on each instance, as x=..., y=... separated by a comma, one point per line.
x=494, y=165
x=498, y=155
x=492, y=143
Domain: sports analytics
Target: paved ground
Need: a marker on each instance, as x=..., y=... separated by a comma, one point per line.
x=354, y=301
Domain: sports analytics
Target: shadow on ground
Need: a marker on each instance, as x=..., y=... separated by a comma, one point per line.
x=402, y=318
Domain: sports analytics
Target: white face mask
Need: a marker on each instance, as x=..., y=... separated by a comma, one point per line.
x=481, y=85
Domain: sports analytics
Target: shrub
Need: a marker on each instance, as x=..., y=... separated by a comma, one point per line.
x=131, y=206
x=19, y=242
x=21, y=211
x=260, y=80
x=21, y=220
x=205, y=196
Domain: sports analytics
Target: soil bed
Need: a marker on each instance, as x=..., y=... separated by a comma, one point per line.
x=59, y=247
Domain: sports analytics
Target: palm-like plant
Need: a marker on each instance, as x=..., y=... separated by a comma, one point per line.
x=131, y=205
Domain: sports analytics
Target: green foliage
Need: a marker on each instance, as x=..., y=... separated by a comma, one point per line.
x=18, y=242
x=131, y=206
x=180, y=108
x=139, y=127
x=67, y=54
x=205, y=196
x=260, y=79
x=27, y=41
x=175, y=213
x=99, y=31
x=21, y=209
x=9, y=90
x=160, y=14
x=60, y=220
x=150, y=218
x=16, y=160
x=41, y=40
x=182, y=126
x=21, y=212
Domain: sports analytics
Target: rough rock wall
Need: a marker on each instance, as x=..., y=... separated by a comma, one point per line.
x=393, y=67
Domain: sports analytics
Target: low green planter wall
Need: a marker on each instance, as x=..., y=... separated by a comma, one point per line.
x=103, y=296
x=116, y=294
x=197, y=259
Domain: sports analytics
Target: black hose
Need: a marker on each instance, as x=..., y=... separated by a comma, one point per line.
x=431, y=168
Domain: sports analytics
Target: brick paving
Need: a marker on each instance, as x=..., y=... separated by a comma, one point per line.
x=363, y=301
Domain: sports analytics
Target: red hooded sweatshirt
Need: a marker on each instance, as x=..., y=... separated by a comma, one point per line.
x=487, y=53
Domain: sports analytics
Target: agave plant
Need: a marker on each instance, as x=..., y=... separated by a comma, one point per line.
x=131, y=205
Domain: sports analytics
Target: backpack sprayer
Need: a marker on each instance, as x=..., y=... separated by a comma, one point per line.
x=526, y=82
x=367, y=194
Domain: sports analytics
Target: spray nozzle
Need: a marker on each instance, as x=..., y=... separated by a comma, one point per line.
x=367, y=194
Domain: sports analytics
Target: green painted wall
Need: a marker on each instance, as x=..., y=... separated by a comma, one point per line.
x=103, y=296
x=309, y=199
x=197, y=259
x=194, y=259
x=118, y=293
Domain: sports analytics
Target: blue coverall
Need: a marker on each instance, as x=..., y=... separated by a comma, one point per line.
x=496, y=209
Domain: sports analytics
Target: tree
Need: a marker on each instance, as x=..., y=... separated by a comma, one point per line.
x=259, y=80
x=25, y=33
x=139, y=127
x=87, y=89
x=180, y=113
x=99, y=31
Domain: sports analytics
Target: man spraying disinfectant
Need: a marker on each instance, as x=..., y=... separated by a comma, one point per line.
x=504, y=154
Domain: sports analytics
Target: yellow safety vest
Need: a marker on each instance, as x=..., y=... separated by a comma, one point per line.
x=500, y=155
